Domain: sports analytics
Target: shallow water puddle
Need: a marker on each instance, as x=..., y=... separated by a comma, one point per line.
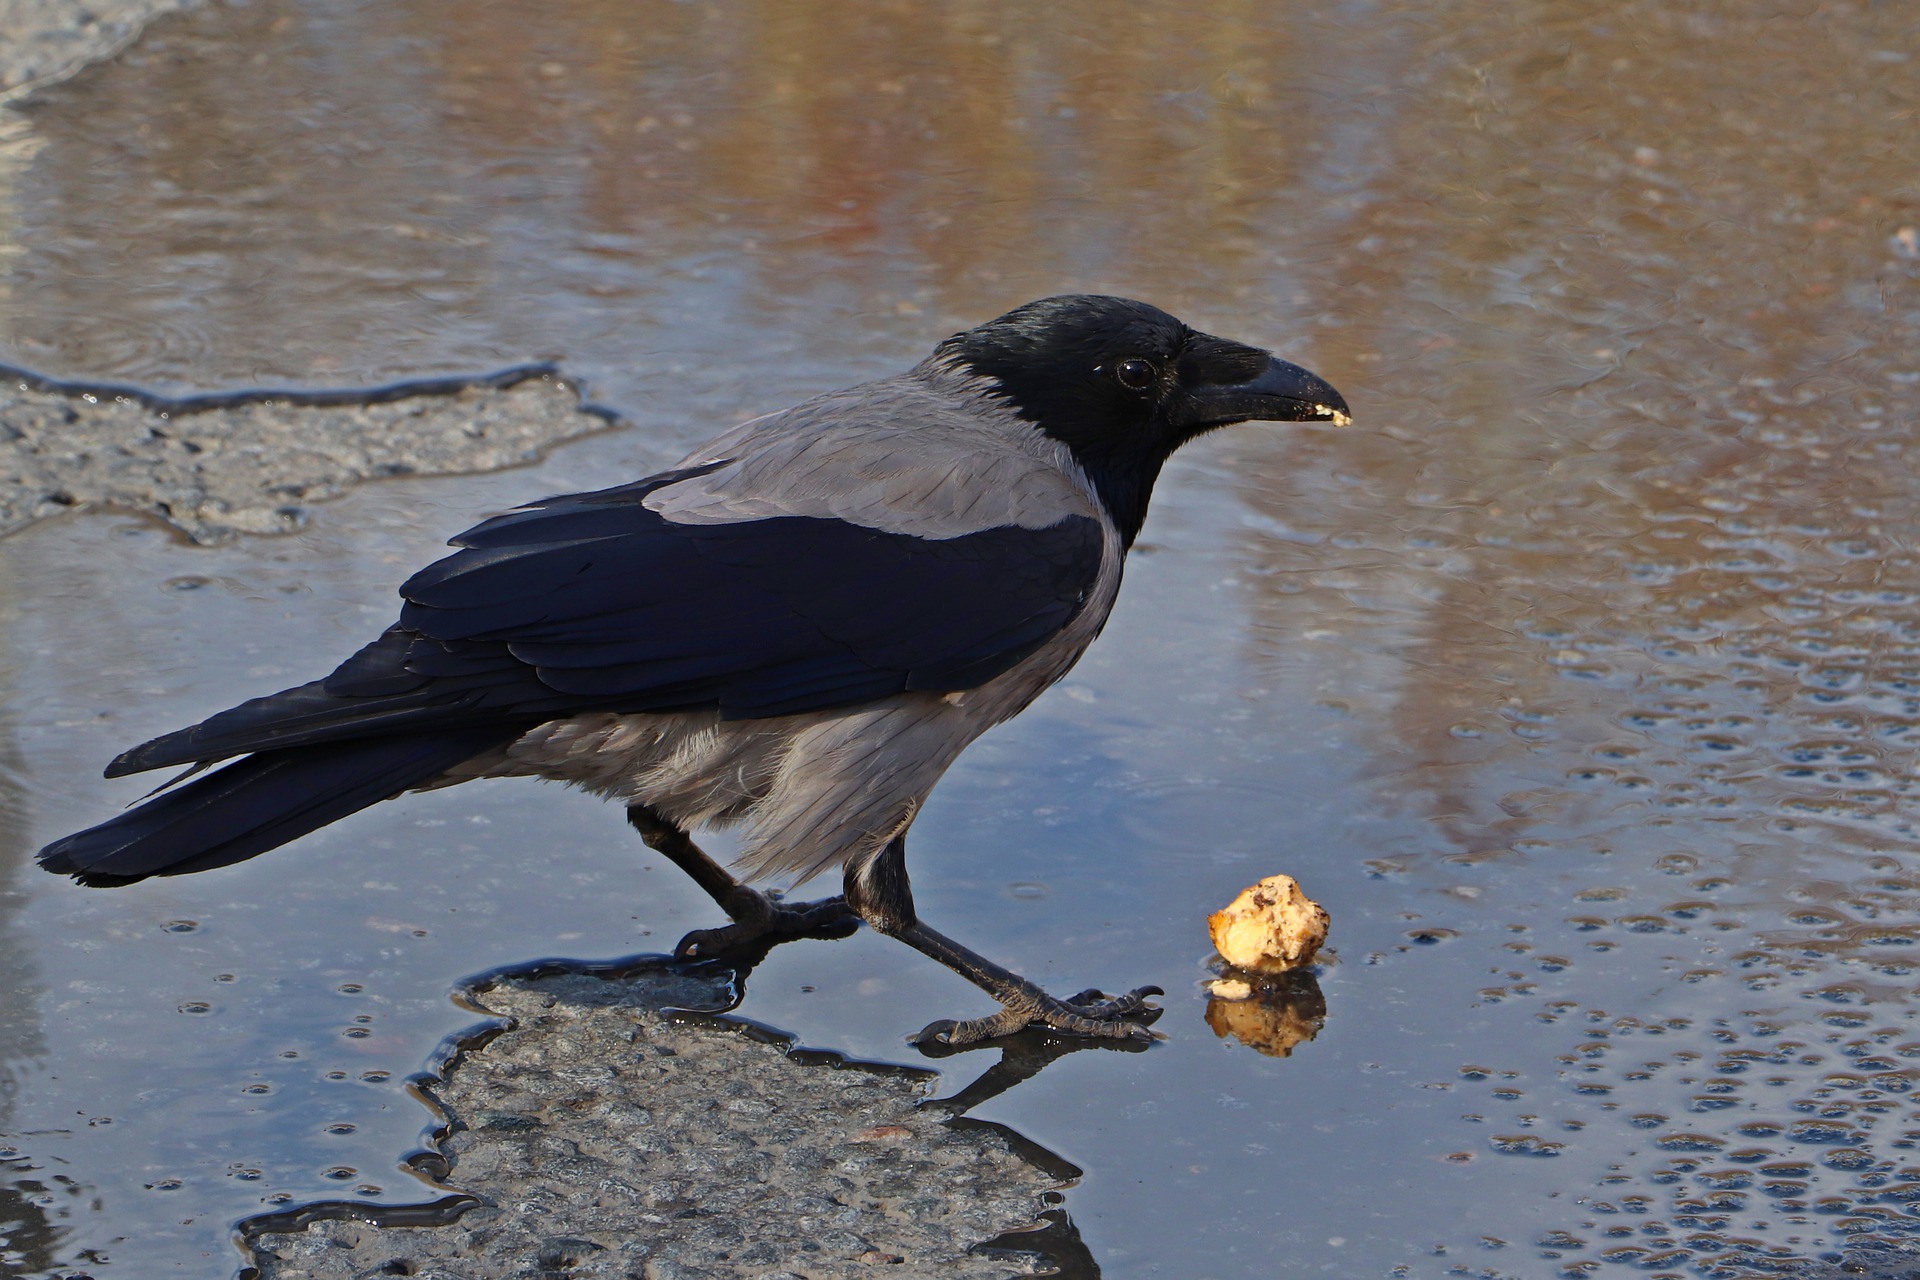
x=1580, y=679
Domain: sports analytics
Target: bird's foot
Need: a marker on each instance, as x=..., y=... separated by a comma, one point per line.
x=762, y=920
x=1091, y=1013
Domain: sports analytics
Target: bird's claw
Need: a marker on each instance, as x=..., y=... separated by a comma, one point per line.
x=1091, y=1013
x=764, y=920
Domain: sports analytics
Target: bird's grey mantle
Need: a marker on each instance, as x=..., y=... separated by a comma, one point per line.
x=252, y=462
x=603, y=1138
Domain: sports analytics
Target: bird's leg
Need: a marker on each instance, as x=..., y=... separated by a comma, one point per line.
x=756, y=916
x=881, y=895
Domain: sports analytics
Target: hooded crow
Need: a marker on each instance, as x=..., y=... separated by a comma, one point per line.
x=796, y=629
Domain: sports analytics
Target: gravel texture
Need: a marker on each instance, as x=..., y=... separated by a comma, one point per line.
x=46, y=40
x=602, y=1137
x=251, y=463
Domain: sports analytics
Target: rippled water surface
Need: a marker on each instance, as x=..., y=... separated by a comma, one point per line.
x=1580, y=680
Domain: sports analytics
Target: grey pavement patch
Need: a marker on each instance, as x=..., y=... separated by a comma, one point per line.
x=252, y=462
x=599, y=1136
x=46, y=40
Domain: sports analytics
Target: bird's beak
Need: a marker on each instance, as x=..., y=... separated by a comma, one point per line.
x=1281, y=393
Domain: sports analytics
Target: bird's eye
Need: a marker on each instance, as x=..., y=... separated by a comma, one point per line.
x=1135, y=375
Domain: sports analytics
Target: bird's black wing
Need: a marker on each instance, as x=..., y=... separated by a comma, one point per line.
x=593, y=602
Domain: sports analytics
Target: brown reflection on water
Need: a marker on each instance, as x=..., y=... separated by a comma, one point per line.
x=955, y=158
x=1644, y=377
x=1626, y=575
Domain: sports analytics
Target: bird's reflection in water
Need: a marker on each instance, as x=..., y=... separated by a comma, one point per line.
x=1023, y=1055
x=1282, y=1013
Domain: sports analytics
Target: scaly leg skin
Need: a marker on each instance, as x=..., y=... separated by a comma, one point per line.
x=881, y=894
x=756, y=916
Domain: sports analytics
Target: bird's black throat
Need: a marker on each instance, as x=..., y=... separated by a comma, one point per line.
x=1122, y=464
x=1123, y=479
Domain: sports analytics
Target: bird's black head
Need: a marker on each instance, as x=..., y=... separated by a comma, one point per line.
x=1123, y=385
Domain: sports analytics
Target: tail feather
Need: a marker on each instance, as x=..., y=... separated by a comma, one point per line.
x=255, y=804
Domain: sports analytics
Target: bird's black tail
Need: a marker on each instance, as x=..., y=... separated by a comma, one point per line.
x=256, y=804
